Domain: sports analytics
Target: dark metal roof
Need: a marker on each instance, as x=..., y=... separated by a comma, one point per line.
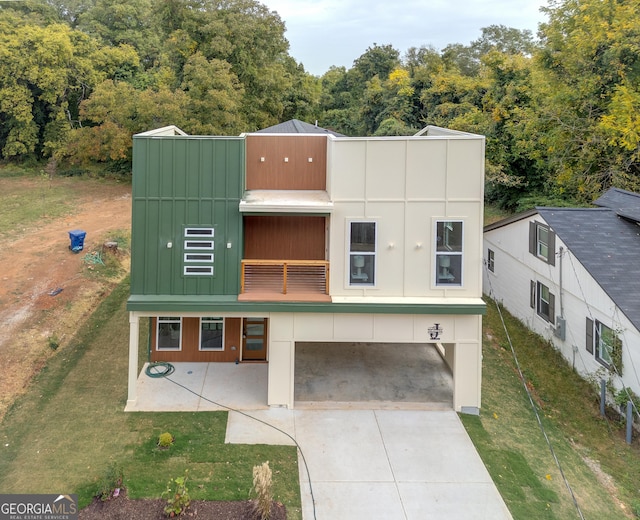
x=607, y=246
x=295, y=126
x=625, y=203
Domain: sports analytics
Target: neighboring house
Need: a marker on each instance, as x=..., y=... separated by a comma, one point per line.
x=243, y=246
x=573, y=276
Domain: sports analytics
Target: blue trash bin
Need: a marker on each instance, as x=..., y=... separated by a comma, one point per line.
x=77, y=240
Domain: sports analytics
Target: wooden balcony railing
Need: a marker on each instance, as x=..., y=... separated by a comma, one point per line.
x=285, y=277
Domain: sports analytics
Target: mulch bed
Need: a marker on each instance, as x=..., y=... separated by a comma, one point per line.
x=122, y=508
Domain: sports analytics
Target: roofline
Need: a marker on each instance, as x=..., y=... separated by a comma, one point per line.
x=165, y=131
x=510, y=220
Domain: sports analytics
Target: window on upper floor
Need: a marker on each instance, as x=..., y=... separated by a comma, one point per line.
x=542, y=242
x=362, y=253
x=211, y=333
x=449, y=240
x=198, y=255
x=543, y=301
x=168, y=333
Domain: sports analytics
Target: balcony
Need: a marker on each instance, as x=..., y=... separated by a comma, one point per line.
x=284, y=280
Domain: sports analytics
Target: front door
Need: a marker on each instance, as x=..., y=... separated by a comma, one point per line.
x=254, y=339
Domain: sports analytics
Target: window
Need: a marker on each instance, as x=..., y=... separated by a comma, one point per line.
x=362, y=253
x=449, y=253
x=168, y=336
x=491, y=260
x=542, y=242
x=211, y=334
x=607, y=346
x=543, y=301
x=198, y=259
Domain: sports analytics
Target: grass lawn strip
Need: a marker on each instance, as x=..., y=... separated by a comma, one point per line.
x=513, y=448
x=70, y=429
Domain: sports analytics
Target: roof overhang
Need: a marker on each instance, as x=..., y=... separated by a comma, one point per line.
x=314, y=202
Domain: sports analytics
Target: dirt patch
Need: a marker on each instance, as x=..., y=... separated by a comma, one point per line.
x=125, y=509
x=35, y=263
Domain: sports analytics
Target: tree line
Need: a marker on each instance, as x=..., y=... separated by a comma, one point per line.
x=560, y=111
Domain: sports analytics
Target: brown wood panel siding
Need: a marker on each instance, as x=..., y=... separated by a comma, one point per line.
x=191, y=343
x=297, y=174
x=284, y=238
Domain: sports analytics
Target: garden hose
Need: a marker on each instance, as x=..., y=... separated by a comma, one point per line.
x=159, y=369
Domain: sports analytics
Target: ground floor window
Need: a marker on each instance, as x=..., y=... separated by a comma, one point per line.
x=211, y=333
x=543, y=301
x=605, y=341
x=168, y=333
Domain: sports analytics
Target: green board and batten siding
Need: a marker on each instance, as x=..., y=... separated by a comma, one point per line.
x=179, y=182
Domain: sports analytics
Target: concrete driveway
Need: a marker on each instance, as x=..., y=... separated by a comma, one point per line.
x=380, y=464
x=367, y=460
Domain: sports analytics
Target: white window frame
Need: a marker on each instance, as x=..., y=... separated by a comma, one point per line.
x=438, y=254
x=211, y=319
x=205, y=257
x=199, y=232
x=600, y=345
x=198, y=270
x=491, y=260
x=540, y=244
x=352, y=254
x=198, y=245
x=168, y=319
x=540, y=300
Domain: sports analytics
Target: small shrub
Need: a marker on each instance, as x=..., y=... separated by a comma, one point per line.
x=165, y=440
x=111, y=483
x=177, y=496
x=54, y=342
x=263, y=489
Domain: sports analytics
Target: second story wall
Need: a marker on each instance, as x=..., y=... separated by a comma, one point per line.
x=186, y=229
x=397, y=196
x=286, y=162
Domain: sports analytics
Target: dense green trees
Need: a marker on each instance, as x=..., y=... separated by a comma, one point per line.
x=560, y=113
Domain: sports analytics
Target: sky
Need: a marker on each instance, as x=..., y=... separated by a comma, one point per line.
x=323, y=33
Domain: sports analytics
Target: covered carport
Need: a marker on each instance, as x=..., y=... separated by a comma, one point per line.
x=337, y=374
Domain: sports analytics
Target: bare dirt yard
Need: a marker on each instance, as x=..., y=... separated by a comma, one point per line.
x=35, y=263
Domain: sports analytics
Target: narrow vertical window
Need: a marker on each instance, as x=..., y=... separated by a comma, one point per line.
x=211, y=333
x=491, y=260
x=449, y=239
x=362, y=253
x=606, y=341
x=168, y=333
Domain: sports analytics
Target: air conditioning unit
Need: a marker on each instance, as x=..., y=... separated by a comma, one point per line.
x=561, y=328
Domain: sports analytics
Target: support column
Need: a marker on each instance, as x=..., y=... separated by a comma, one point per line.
x=281, y=376
x=467, y=377
x=134, y=335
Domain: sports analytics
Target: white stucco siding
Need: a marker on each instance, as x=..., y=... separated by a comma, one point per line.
x=581, y=297
x=405, y=185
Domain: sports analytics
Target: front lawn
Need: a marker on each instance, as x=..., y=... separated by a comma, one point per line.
x=70, y=430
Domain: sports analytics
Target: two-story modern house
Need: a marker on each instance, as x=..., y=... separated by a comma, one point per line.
x=244, y=246
x=572, y=275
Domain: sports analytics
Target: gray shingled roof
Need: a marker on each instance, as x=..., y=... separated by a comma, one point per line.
x=295, y=126
x=625, y=203
x=607, y=246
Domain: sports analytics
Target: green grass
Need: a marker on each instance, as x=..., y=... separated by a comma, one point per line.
x=493, y=214
x=513, y=448
x=66, y=433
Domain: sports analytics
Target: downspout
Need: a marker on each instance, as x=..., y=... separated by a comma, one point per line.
x=560, y=265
